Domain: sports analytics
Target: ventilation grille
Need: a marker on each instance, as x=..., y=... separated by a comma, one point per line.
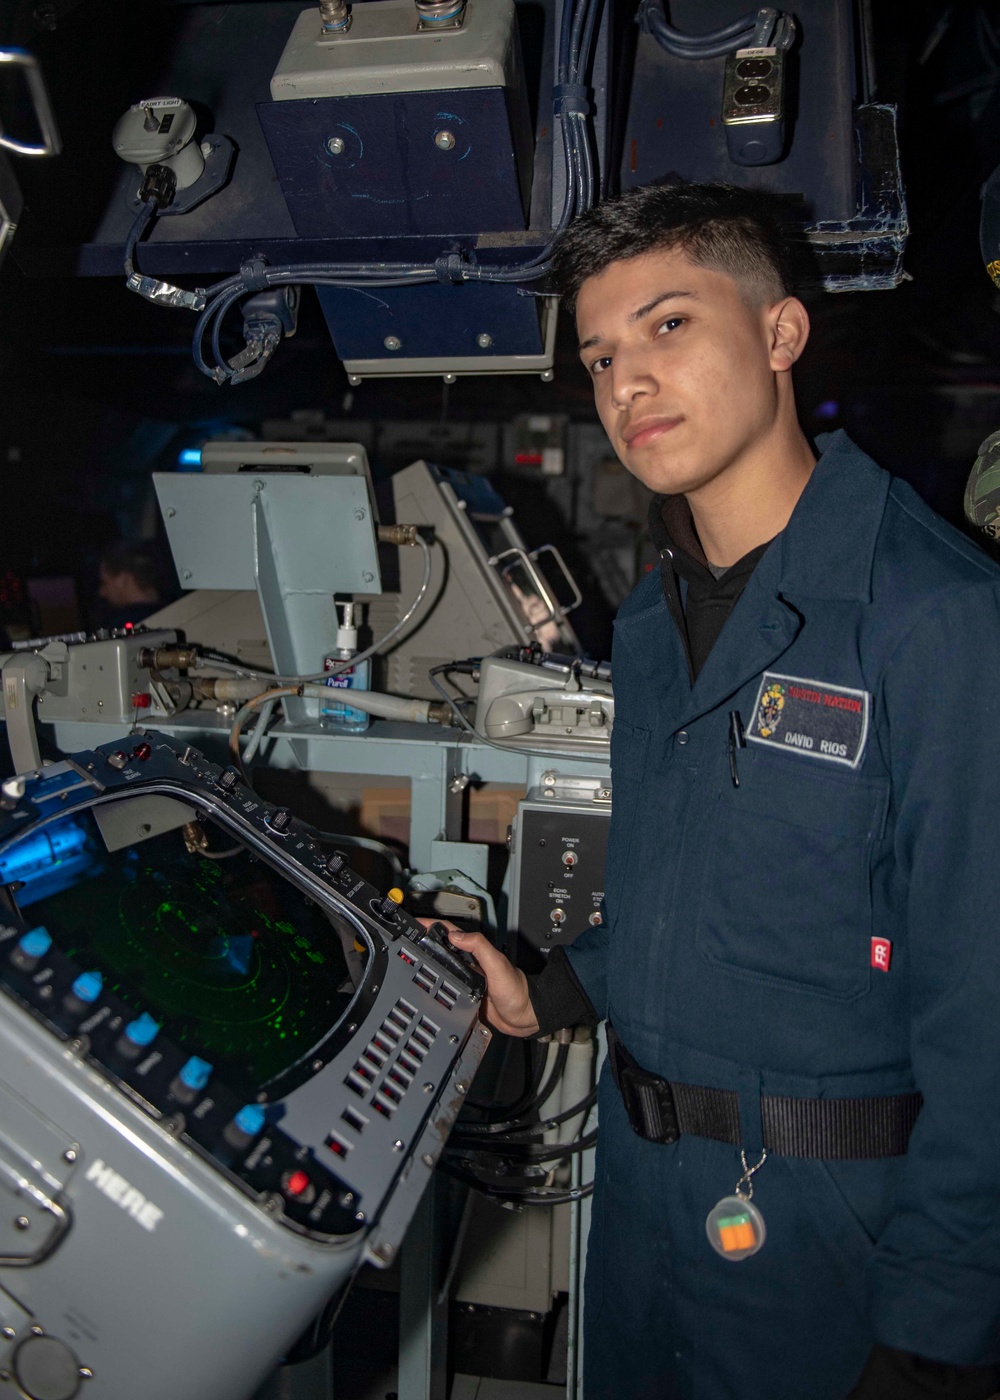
x=386, y=1067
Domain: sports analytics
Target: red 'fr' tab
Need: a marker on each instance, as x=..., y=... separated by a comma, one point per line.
x=881, y=953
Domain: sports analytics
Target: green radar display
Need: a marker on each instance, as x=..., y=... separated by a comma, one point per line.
x=229, y=954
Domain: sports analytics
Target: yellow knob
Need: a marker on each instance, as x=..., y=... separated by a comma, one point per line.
x=396, y=896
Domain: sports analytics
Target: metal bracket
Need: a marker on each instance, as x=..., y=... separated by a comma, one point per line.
x=219, y=154
x=24, y=677
x=572, y=786
x=51, y=144
x=61, y=1214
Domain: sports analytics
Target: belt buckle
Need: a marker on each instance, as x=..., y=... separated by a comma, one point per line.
x=655, y=1109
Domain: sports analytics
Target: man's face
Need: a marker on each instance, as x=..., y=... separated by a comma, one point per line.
x=681, y=367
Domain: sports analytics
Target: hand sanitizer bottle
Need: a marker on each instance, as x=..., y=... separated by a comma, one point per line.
x=337, y=714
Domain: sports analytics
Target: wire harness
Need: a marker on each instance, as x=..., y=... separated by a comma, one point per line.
x=453, y=267
x=155, y=193
x=763, y=28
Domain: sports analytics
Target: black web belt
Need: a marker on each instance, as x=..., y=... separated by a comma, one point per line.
x=660, y=1111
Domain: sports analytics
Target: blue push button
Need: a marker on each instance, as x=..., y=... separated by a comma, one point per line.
x=143, y=1030
x=250, y=1119
x=195, y=1074
x=36, y=942
x=88, y=987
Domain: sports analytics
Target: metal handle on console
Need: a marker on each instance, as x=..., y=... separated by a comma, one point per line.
x=556, y=612
x=51, y=143
x=61, y=1214
x=571, y=581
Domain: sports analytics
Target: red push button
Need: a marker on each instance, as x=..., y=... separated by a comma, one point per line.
x=141, y=700
x=297, y=1184
x=142, y=752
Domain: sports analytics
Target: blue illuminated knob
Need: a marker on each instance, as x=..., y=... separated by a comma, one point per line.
x=195, y=1074
x=250, y=1119
x=143, y=1030
x=241, y=1132
x=31, y=948
x=191, y=1078
x=137, y=1035
x=88, y=987
x=36, y=942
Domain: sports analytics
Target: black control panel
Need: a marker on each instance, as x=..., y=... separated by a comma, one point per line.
x=204, y=969
x=560, y=855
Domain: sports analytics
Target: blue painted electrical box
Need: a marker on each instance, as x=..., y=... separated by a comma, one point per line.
x=387, y=164
x=389, y=130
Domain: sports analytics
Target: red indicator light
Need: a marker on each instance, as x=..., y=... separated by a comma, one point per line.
x=141, y=700
x=142, y=752
x=130, y=627
x=297, y=1184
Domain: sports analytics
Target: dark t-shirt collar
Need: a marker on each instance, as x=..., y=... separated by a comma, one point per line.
x=671, y=526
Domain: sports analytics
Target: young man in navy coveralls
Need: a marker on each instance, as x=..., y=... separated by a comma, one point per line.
x=800, y=934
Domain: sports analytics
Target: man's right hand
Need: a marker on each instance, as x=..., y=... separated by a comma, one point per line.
x=507, y=1006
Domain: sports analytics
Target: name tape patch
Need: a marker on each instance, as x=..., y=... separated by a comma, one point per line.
x=810, y=717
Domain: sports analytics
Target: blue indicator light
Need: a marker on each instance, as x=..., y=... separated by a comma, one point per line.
x=36, y=942
x=195, y=1073
x=143, y=1030
x=189, y=457
x=250, y=1119
x=88, y=986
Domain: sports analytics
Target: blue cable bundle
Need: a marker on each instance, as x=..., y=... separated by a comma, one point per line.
x=757, y=30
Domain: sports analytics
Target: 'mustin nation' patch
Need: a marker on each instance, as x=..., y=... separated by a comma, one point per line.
x=811, y=717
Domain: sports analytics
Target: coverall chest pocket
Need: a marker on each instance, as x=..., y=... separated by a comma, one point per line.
x=629, y=752
x=786, y=893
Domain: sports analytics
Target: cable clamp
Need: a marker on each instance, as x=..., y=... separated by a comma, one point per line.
x=450, y=268
x=253, y=274
x=570, y=99
x=164, y=293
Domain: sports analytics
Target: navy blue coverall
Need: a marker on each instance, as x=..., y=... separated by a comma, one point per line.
x=827, y=929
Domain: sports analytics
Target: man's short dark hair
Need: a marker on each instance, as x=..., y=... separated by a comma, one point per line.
x=124, y=558
x=730, y=230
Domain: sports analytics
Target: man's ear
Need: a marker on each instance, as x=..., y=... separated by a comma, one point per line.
x=788, y=330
